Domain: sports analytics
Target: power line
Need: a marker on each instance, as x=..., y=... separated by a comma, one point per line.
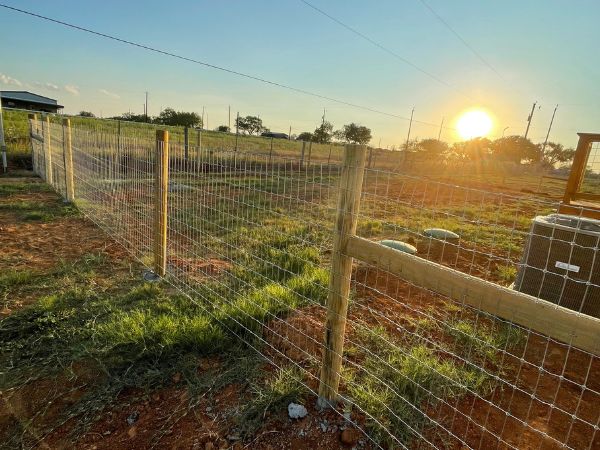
x=461, y=39
x=386, y=49
x=212, y=66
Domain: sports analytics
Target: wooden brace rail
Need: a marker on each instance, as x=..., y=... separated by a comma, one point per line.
x=540, y=315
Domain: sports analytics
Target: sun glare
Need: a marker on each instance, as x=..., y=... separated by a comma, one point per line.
x=474, y=123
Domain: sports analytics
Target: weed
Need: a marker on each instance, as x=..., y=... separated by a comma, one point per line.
x=483, y=341
x=399, y=380
x=273, y=395
x=506, y=273
x=14, y=278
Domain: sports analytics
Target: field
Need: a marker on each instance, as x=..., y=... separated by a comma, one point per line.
x=92, y=355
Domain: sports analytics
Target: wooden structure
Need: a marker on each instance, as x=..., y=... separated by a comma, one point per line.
x=161, y=189
x=562, y=324
x=575, y=202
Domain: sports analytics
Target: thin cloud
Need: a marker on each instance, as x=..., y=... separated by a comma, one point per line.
x=50, y=86
x=5, y=79
x=109, y=94
x=71, y=89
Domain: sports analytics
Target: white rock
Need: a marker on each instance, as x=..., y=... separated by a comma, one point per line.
x=296, y=411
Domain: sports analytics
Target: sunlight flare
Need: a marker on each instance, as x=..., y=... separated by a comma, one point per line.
x=474, y=123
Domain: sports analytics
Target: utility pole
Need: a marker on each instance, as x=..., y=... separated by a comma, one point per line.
x=229, y=118
x=202, y=118
x=409, y=127
x=146, y=107
x=549, y=128
x=529, y=119
x=290, y=135
x=441, y=126
x=323, y=123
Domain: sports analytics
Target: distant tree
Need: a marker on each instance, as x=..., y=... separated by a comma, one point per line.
x=305, y=136
x=86, y=114
x=516, y=149
x=432, y=148
x=130, y=117
x=472, y=150
x=556, y=153
x=250, y=125
x=169, y=116
x=356, y=134
x=323, y=133
x=223, y=129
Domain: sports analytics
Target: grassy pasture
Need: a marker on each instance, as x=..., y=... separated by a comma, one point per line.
x=266, y=236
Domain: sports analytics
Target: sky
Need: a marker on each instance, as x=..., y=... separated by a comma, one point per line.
x=508, y=55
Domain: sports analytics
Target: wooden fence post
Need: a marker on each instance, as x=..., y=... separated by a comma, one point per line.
x=341, y=271
x=68, y=155
x=32, y=118
x=186, y=144
x=302, y=154
x=161, y=188
x=309, y=154
x=47, y=149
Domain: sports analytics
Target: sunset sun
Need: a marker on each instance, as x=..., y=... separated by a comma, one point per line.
x=474, y=123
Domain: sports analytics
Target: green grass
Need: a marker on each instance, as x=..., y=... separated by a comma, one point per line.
x=400, y=379
x=13, y=188
x=506, y=273
x=482, y=342
x=274, y=394
x=31, y=211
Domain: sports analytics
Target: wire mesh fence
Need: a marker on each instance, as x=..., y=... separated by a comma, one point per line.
x=436, y=350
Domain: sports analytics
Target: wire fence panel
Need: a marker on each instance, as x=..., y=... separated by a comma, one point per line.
x=437, y=351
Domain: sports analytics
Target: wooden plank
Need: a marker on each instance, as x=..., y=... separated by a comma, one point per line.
x=68, y=155
x=585, y=196
x=577, y=168
x=581, y=210
x=540, y=315
x=341, y=272
x=161, y=189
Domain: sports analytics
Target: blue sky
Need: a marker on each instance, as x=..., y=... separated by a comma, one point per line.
x=543, y=51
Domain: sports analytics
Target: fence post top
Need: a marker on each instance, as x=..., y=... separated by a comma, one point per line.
x=31, y=116
x=162, y=135
x=66, y=121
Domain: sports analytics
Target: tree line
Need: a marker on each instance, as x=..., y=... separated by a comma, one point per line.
x=517, y=149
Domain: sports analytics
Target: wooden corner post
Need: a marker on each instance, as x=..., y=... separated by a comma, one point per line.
x=161, y=188
x=48, y=149
x=68, y=155
x=341, y=271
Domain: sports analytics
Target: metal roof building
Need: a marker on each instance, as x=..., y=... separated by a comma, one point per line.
x=30, y=101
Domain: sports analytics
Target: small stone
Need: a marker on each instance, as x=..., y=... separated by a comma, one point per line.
x=296, y=411
x=132, y=432
x=133, y=417
x=233, y=437
x=323, y=426
x=106, y=433
x=208, y=409
x=350, y=437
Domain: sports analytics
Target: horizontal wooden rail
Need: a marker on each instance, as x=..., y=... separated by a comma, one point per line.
x=37, y=137
x=540, y=315
x=585, y=196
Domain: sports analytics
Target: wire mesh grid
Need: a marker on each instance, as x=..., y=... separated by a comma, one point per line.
x=250, y=238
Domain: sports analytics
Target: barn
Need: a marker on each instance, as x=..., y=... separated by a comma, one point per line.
x=30, y=101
